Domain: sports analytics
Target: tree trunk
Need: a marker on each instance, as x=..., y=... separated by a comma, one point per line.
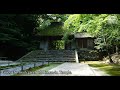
x=107, y=47
x=111, y=61
x=117, y=50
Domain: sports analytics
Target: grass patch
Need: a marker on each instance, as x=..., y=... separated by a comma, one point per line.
x=98, y=65
x=36, y=68
x=112, y=69
x=10, y=66
x=51, y=65
x=45, y=67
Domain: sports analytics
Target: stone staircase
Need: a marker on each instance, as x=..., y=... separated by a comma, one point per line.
x=49, y=56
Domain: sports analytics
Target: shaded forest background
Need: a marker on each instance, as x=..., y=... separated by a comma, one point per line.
x=18, y=32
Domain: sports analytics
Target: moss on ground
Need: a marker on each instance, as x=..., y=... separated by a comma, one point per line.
x=45, y=67
x=10, y=66
x=112, y=69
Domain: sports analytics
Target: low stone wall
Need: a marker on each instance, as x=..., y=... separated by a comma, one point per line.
x=88, y=55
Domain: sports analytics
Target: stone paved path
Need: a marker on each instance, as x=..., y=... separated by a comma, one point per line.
x=75, y=69
x=65, y=69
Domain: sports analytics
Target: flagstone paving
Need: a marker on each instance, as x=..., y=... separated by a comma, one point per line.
x=75, y=69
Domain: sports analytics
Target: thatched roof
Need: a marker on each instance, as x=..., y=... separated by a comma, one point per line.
x=53, y=30
x=56, y=29
x=82, y=35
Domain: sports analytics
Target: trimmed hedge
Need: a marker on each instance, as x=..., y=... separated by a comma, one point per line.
x=88, y=55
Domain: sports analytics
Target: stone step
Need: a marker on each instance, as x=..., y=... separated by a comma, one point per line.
x=51, y=61
x=55, y=52
x=44, y=56
x=49, y=58
x=50, y=55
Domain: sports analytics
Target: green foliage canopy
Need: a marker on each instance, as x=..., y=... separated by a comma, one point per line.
x=105, y=27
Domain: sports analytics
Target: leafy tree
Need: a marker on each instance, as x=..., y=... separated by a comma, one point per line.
x=105, y=27
x=19, y=30
x=45, y=20
x=16, y=31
